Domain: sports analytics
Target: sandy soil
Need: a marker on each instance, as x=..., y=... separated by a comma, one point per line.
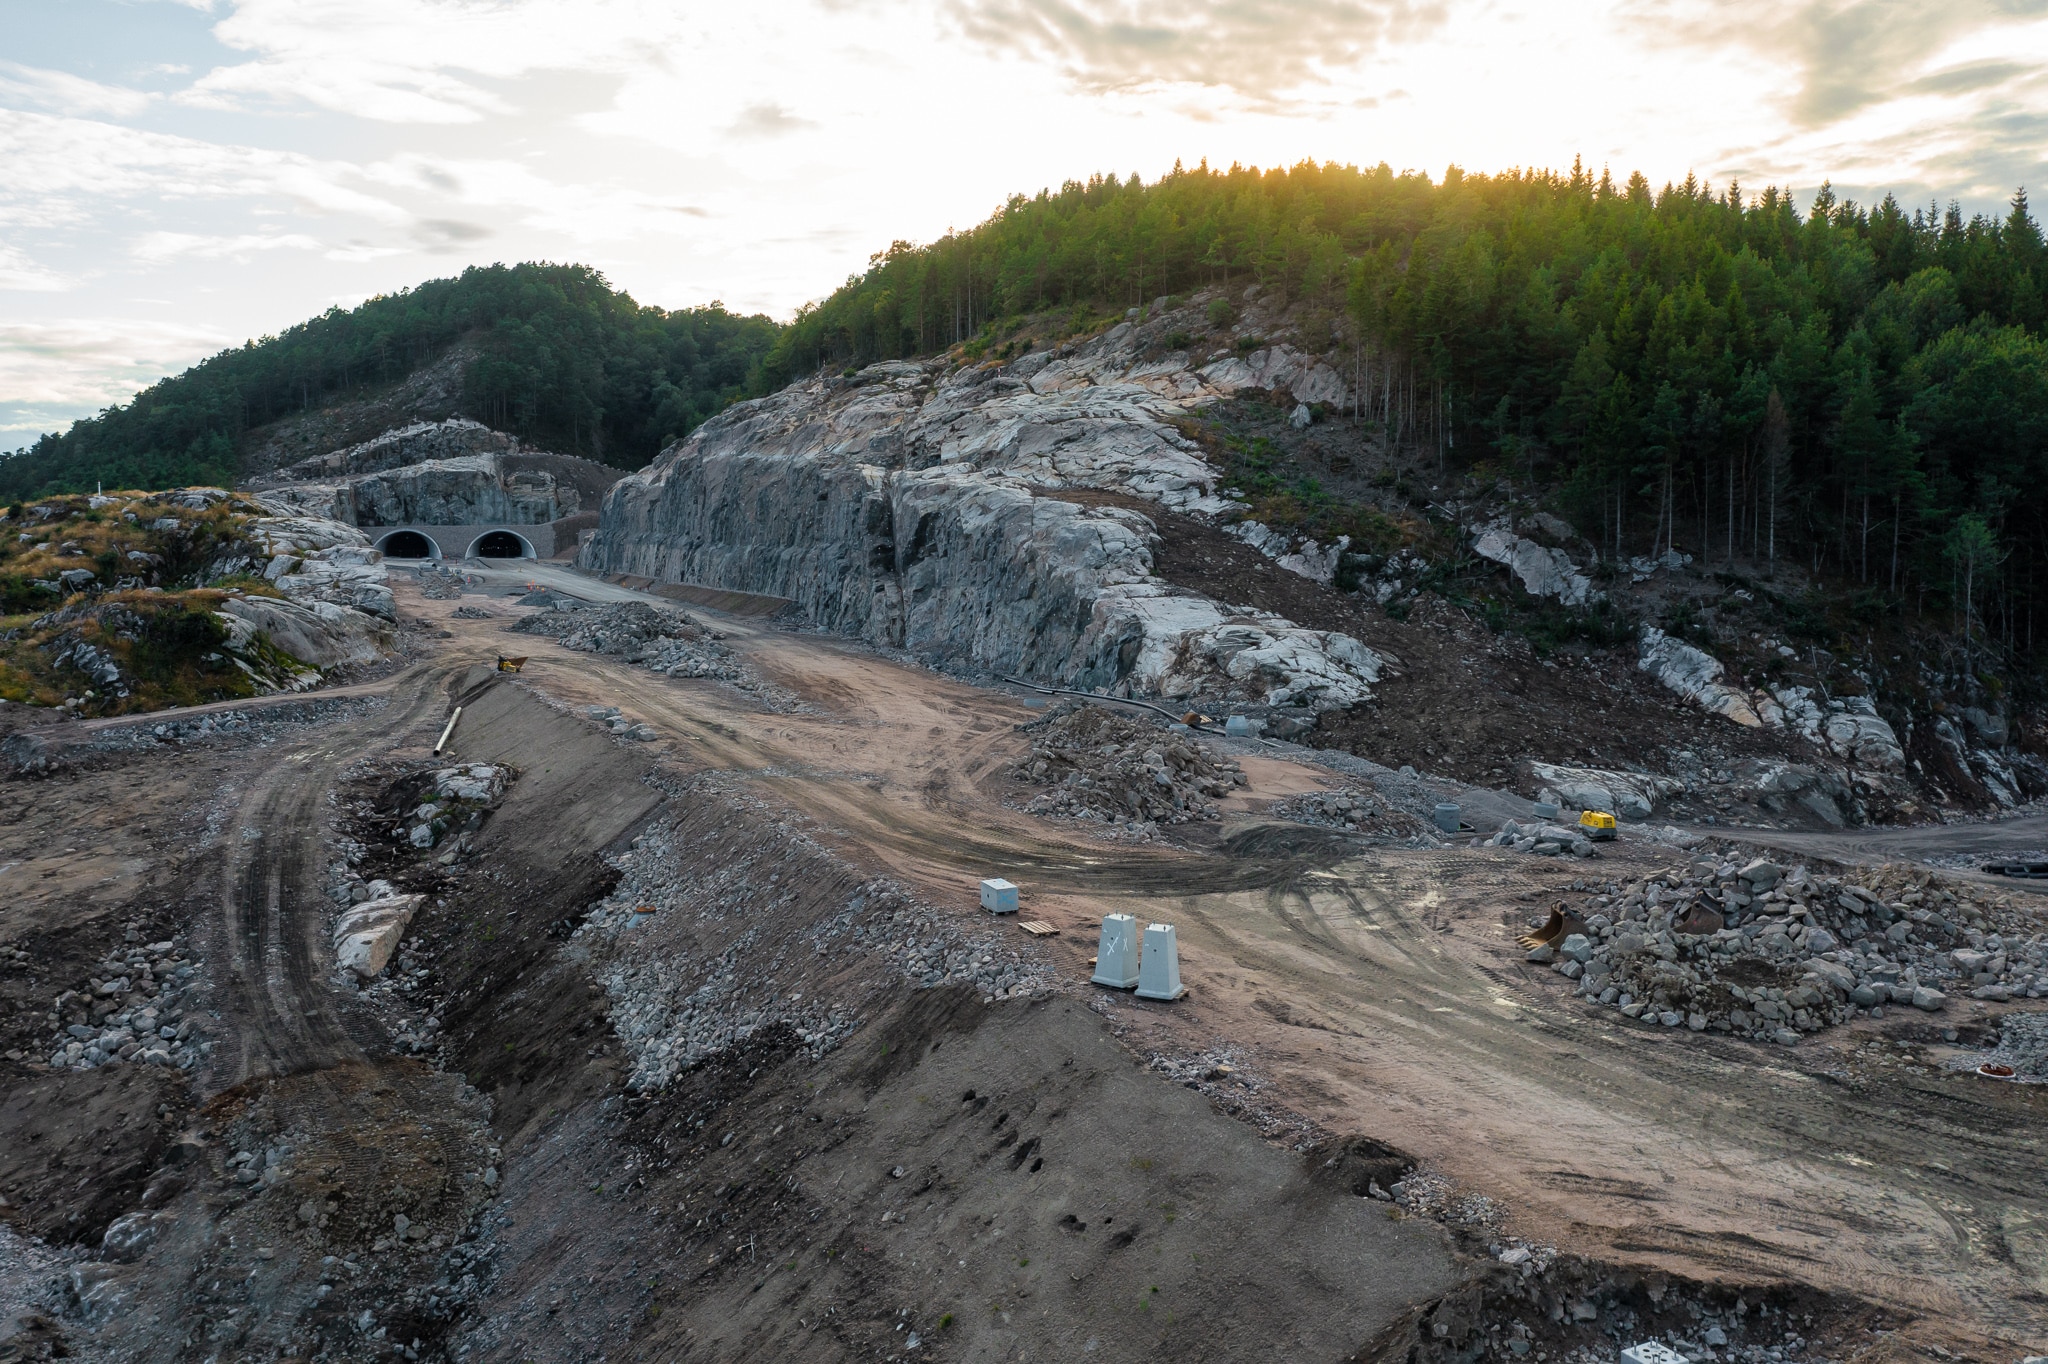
x=1370, y=989
x=1383, y=988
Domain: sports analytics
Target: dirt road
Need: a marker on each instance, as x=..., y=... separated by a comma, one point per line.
x=322, y=1191
x=1382, y=989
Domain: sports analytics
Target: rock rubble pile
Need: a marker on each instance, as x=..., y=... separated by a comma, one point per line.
x=134, y=1008
x=665, y=641
x=2023, y=1045
x=1545, y=840
x=1769, y=954
x=458, y=798
x=672, y=1007
x=1361, y=811
x=1120, y=770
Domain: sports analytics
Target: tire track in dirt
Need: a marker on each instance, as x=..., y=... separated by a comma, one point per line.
x=272, y=907
x=1737, y=1146
x=1703, y=1155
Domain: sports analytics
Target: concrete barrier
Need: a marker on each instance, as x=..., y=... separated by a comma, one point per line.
x=1116, y=953
x=1159, y=970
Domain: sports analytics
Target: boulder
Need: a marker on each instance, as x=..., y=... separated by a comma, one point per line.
x=1625, y=795
x=367, y=934
x=1762, y=874
x=321, y=633
x=128, y=1236
x=1858, y=734
x=1693, y=674
x=1838, y=978
x=1543, y=572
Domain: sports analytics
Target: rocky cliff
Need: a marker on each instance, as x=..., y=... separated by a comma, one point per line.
x=448, y=473
x=920, y=505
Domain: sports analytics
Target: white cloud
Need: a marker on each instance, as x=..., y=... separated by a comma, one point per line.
x=64, y=93
x=425, y=61
x=18, y=272
x=83, y=364
x=63, y=171
x=1268, y=52
x=158, y=247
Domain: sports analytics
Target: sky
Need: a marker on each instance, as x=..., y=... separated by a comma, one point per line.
x=177, y=176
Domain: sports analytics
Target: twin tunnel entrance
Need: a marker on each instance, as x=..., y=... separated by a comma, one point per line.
x=492, y=544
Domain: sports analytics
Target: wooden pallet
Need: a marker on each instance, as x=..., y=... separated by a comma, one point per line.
x=1038, y=928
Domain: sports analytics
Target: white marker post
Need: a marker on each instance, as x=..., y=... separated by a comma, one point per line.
x=1116, y=956
x=1159, y=971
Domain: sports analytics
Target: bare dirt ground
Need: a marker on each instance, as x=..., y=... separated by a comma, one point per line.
x=497, y=1191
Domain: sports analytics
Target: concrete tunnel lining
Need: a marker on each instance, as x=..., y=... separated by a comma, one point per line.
x=479, y=550
x=399, y=544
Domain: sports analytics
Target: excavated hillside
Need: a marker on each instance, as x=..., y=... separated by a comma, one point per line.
x=1069, y=517
x=639, y=1004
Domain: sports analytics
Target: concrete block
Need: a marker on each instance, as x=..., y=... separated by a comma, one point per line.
x=1116, y=954
x=1159, y=968
x=1447, y=817
x=1651, y=1352
x=998, y=896
x=1237, y=727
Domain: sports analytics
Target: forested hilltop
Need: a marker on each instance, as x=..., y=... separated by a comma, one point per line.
x=561, y=358
x=1861, y=390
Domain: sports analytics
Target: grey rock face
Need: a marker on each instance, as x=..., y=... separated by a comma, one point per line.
x=469, y=490
x=1543, y=572
x=918, y=508
x=412, y=444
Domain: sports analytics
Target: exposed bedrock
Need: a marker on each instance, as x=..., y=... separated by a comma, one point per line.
x=920, y=509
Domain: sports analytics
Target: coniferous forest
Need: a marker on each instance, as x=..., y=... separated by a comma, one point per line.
x=563, y=359
x=1861, y=390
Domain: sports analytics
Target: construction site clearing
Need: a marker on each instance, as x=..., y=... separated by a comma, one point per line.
x=613, y=980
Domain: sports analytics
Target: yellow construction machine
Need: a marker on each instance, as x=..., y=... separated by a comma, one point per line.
x=1597, y=825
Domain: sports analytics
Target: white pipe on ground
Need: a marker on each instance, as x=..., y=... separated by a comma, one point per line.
x=442, y=742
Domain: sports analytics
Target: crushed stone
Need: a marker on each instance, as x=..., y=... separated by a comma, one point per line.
x=1115, y=768
x=666, y=641
x=1775, y=953
x=674, y=1008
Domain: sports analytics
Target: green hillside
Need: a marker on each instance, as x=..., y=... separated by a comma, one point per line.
x=1861, y=390
x=564, y=360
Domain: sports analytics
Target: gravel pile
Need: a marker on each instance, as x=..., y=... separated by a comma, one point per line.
x=2023, y=1044
x=439, y=584
x=132, y=1008
x=1545, y=840
x=1360, y=811
x=672, y=1007
x=1114, y=768
x=668, y=642
x=1769, y=954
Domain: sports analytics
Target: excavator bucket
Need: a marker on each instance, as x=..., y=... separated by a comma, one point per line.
x=1701, y=921
x=1560, y=925
x=510, y=665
